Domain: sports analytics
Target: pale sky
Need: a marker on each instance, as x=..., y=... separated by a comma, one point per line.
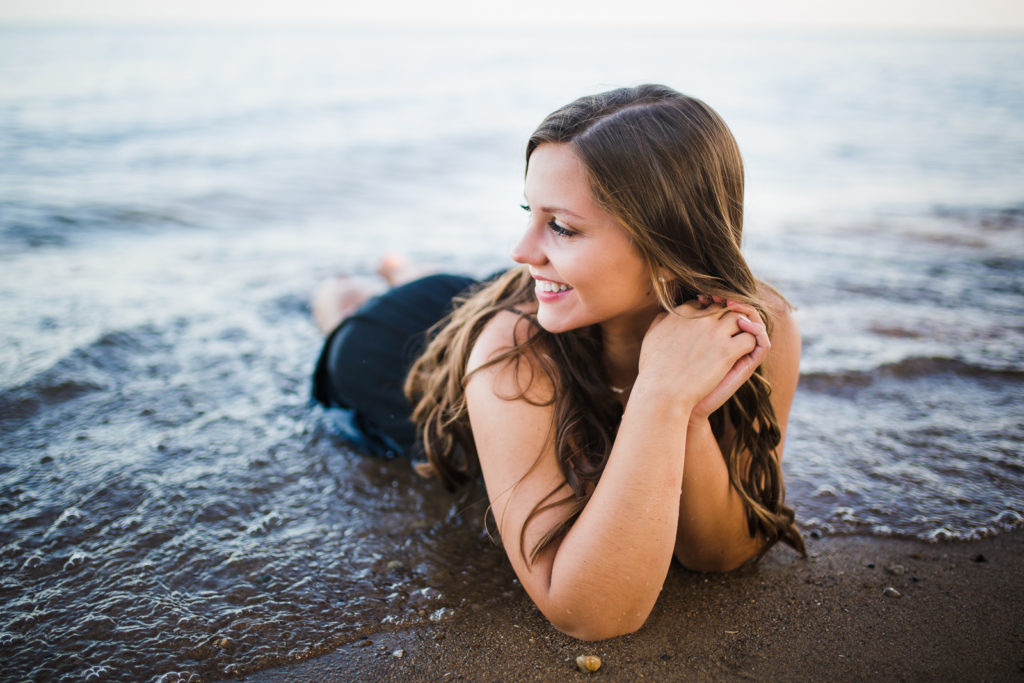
x=928, y=15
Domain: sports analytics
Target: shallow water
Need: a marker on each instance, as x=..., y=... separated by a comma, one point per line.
x=169, y=502
x=175, y=507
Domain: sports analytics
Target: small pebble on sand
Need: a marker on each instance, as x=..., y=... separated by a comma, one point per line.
x=588, y=663
x=891, y=592
x=398, y=654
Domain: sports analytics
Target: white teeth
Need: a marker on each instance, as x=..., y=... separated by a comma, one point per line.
x=548, y=286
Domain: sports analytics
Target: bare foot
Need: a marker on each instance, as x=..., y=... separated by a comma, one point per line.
x=397, y=270
x=336, y=298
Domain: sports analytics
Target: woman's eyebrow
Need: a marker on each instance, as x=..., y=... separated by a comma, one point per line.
x=554, y=209
x=562, y=210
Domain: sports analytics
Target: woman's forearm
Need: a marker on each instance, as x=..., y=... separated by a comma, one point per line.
x=712, y=533
x=612, y=564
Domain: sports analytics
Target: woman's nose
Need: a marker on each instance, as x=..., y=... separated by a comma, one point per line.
x=527, y=250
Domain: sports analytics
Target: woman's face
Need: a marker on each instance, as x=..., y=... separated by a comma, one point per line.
x=587, y=269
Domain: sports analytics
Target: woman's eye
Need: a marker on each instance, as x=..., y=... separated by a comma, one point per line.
x=560, y=229
x=553, y=224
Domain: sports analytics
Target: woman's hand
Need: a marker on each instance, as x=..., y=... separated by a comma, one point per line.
x=705, y=353
x=750, y=323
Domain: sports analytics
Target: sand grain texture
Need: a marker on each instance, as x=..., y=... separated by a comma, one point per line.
x=960, y=615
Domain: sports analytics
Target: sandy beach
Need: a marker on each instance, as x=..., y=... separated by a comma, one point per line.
x=959, y=615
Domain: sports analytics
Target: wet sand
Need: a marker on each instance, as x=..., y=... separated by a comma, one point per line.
x=959, y=615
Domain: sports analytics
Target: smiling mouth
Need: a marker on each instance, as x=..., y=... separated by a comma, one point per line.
x=549, y=286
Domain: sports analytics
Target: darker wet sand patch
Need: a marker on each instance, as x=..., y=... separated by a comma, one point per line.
x=959, y=615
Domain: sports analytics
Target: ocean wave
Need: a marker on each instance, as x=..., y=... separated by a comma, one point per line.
x=907, y=368
x=27, y=226
x=110, y=360
x=851, y=524
x=987, y=217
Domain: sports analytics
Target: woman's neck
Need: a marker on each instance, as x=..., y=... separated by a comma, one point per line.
x=621, y=353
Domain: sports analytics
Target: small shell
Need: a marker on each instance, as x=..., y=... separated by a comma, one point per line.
x=588, y=663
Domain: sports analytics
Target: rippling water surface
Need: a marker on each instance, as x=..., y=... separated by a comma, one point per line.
x=170, y=505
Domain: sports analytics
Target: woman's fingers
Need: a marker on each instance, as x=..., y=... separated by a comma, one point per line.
x=749, y=321
x=759, y=331
x=706, y=300
x=750, y=334
x=743, y=309
x=739, y=317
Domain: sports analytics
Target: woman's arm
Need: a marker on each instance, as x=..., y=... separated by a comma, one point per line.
x=603, y=577
x=712, y=533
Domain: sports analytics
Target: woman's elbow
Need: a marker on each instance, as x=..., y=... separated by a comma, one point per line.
x=600, y=627
x=722, y=561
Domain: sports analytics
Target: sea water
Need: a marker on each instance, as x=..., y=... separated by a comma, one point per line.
x=171, y=506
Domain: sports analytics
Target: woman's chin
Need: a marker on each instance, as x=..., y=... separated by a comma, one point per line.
x=553, y=323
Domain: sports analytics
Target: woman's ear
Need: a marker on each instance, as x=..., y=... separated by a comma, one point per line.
x=667, y=283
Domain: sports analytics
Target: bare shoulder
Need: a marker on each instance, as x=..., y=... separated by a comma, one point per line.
x=510, y=412
x=782, y=367
x=785, y=334
x=501, y=334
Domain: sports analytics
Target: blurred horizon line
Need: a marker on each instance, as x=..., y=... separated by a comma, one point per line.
x=598, y=27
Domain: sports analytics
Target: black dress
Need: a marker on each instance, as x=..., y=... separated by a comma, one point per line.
x=364, y=361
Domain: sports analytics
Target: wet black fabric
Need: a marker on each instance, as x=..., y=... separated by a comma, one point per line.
x=364, y=361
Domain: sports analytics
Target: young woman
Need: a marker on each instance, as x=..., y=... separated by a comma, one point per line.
x=624, y=391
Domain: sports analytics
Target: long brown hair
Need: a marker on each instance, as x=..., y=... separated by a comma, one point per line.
x=667, y=167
